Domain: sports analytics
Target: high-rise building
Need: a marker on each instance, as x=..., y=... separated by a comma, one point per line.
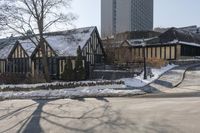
x=126, y=15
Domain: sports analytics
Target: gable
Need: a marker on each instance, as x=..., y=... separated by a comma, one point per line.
x=28, y=46
x=18, y=52
x=66, y=43
x=48, y=49
x=94, y=45
x=125, y=44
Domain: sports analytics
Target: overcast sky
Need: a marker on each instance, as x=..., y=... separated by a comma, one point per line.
x=167, y=13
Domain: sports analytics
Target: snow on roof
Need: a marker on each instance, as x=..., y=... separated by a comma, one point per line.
x=28, y=46
x=139, y=42
x=171, y=42
x=5, y=51
x=6, y=46
x=190, y=43
x=135, y=42
x=175, y=41
x=7, y=41
x=66, y=43
x=180, y=34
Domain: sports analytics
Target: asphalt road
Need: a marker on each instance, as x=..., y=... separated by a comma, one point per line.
x=192, y=78
x=112, y=115
x=177, y=112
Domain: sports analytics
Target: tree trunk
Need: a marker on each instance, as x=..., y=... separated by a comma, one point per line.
x=42, y=46
x=44, y=59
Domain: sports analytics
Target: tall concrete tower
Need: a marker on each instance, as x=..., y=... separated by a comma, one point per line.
x=125, y=15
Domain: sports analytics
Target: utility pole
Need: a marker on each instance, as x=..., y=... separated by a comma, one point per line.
x=144, y=57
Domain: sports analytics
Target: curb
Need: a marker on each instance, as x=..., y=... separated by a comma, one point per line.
x=184, y=73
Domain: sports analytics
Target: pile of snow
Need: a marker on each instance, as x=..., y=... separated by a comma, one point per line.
x=63, y=84
x=97, y=91
x=139, y=80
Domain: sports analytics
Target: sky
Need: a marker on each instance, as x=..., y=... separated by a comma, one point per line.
x=167, y=13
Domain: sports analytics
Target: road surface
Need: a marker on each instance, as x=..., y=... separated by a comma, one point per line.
x=112, y=115
x=156, y=114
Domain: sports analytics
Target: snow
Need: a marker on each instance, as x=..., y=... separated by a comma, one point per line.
x=117, y=71
x=182, y=42
x=97, y=91
x=28, y=46
x=5, y=51
x=138, y=42
x=25, y=86
x=66, y=43
x=140, y=82
x=190, y=43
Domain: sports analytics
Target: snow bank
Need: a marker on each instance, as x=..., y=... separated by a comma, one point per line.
x=140, y=82
x=97, y=91
x=62, y=84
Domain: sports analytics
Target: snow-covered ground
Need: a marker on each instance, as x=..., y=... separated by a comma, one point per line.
x=97, y=91
x=85, y=91
x=140, y=82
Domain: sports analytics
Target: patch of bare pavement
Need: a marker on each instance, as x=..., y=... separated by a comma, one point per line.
x=107, y=115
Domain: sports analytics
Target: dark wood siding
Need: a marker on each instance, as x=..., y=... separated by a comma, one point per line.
x=93, y=50
x=18, y=62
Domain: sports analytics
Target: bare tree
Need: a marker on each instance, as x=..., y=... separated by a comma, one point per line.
x=37, y=16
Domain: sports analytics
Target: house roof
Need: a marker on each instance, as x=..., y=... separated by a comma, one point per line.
x=179, y=34
x=179, y=42
x=176, y=35
x=66, y=43
x=5, y=51
x=6, y=46
x=138, y=42
x=171, y=36
x=28, y=45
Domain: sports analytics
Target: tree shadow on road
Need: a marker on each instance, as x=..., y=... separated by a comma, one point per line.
x=32, y=125
x=101, y=115
x=93, y=118
x=15, y=113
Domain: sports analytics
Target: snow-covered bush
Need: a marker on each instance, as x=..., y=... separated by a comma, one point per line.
x=57, y=85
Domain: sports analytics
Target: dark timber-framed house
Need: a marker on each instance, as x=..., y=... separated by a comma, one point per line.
x=63, y=45
x=173, y=44
x=16, y=55
x=24, y=56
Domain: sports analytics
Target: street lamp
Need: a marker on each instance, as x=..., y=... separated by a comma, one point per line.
x=144, y=57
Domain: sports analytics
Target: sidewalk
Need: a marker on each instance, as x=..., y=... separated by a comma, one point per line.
x=169, y=82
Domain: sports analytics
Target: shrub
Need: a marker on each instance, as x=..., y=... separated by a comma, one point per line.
x=20, y=78
x=79, y=68
x=8, y=78
x=68, y=74
x=155, y=62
